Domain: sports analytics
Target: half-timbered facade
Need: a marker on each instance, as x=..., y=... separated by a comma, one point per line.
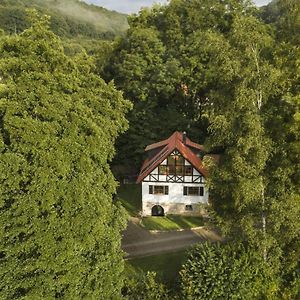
x=173, y=177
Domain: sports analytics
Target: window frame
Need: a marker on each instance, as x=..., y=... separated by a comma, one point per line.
x=188, y=167
x=165, y=190
x=186, y=191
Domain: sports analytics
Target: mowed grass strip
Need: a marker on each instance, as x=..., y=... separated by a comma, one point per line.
x=172, y=222
x=130, y=196
x=166, y=266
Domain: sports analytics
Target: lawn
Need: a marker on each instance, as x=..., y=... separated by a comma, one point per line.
x=130, y=195
x=167, y=266
x=172, y=222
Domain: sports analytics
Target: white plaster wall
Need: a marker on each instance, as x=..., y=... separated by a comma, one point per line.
x=175, y=195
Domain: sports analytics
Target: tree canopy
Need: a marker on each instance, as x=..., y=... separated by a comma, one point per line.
x=218, y=71
x=60, y=232
x=214, y=271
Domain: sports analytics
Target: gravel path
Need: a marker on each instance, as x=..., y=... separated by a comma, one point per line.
x=141, y=242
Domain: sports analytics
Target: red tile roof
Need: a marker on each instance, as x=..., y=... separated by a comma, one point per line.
x=175, y=135
x=174, y=142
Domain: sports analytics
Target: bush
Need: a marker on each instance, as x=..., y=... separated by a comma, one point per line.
x=144, y=287
x=217, y=271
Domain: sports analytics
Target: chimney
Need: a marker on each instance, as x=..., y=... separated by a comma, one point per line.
x=184, y=137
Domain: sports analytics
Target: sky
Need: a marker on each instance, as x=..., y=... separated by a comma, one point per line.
x=133, y=6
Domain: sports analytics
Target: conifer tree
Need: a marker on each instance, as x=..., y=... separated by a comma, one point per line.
x=59, y=230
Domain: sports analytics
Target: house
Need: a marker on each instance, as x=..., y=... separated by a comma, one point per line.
x=173, y=177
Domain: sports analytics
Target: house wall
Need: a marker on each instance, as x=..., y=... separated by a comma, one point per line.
x=155, y=177
x=175, y=202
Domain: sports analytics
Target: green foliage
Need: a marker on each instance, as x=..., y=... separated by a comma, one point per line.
x=173, y=60
x=145, y=287
x=216, y=70
x=214, y=271
x=237, y=184
x=288, y=21
x=166, y=266
x=256, y=179
x=69, y=18
x=60, y=232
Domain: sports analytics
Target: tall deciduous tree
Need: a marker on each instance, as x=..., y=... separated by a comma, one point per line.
x=60, y=231
x=168, y=65
x=284, y=169
x=255, y=185
x=238, y=126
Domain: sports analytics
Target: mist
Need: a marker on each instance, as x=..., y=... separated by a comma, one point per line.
x=100, y=18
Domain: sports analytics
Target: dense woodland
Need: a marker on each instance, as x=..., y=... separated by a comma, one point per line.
x=69, y=18
x=73, y=105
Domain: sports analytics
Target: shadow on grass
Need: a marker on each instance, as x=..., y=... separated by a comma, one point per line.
x=130, y=196
x=167, y=266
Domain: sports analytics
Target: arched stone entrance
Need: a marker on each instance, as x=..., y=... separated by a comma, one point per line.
x=158, y=211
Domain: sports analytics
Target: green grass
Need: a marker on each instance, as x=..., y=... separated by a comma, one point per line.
x=130, y=195
x=167, y=266
x=172, y=222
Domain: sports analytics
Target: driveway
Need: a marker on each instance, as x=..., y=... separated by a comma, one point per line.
x=138, y=241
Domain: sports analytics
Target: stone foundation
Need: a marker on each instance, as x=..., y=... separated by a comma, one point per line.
x=176, y=208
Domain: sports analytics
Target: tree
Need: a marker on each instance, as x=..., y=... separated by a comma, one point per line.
x=145, y=287
x=69, y=19
x=215, y=271
x=237, y=125
x=168, y=66
x=60, y=232
x=255, y=186
x=284, y=174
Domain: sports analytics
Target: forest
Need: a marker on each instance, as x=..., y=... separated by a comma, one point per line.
x=69, y=18
x=81, y=98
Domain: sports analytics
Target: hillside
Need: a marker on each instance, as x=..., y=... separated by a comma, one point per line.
x=70, y=18
x=271, y=12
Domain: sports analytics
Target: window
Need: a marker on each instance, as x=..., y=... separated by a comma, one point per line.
x=179, y=160
x=162, y=170
x=171, y=160
x=180, y=170
x=171, y=170
x=188, y=207
x=188, y=171
x=175, y=164
x=193, y=191
x=159, y=189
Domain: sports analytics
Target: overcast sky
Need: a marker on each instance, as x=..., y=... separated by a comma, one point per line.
x=131, y=6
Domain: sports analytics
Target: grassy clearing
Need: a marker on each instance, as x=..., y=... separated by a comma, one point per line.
x=167, y=266
x=130, y=195
x=172, y=222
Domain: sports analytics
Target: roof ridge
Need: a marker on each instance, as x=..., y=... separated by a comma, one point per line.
x=175, y=141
